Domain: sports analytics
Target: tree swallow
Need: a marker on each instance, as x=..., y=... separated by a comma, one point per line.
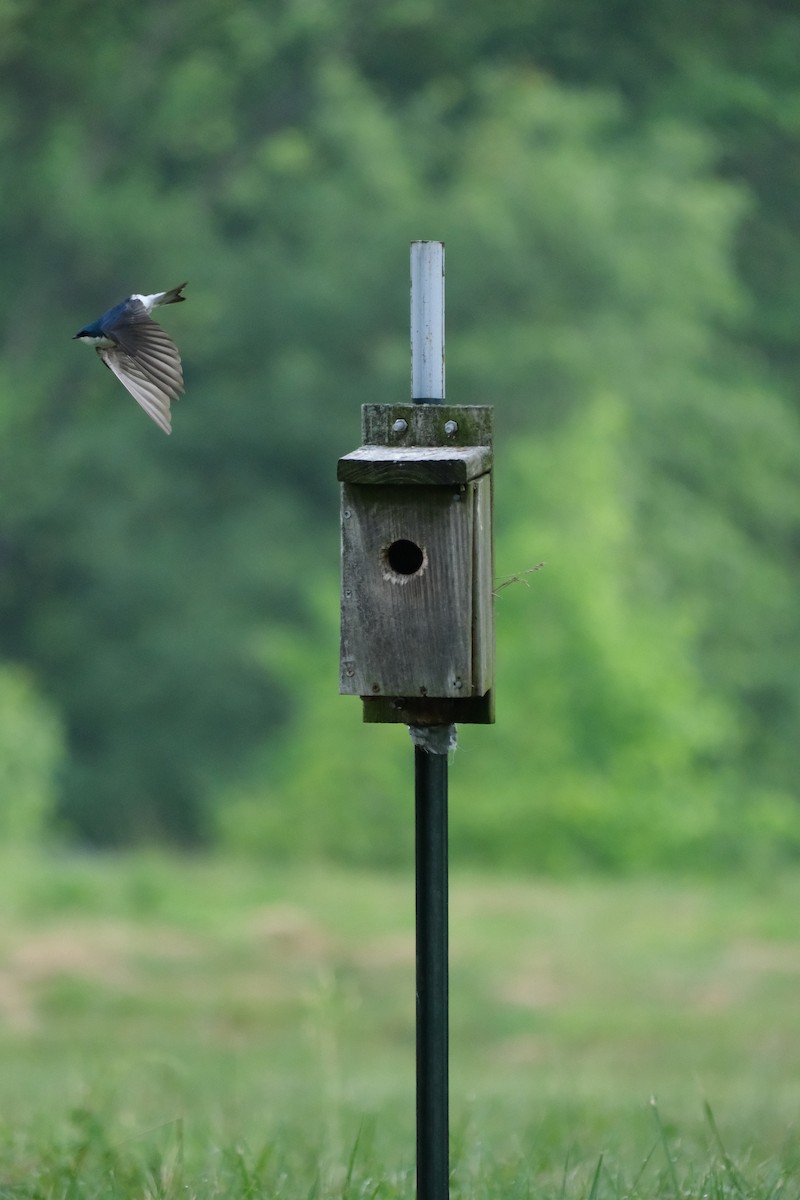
x=138, y=351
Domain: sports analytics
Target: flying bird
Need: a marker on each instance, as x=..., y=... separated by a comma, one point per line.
x=141, y=355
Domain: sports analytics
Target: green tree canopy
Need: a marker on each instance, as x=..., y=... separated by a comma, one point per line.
x=618, y=194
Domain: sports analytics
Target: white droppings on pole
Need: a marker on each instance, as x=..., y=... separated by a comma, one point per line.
x=427, y=321
x=436, y=739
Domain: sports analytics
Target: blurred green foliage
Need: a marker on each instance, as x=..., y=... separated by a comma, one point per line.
x=620, y=196
x=31, y=754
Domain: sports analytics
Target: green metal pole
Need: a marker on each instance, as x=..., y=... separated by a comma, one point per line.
x=430, y=793
x=433, y=1135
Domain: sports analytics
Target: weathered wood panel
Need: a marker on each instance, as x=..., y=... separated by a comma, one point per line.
x=407, y=632
x=426, y=424
x=417, y=619
x=433, y=465
x=482, y=587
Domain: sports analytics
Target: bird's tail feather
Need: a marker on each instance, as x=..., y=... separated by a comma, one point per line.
x=173, y=296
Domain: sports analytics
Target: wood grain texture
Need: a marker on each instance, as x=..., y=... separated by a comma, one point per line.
x=407, y=633
x=434, y=465
x=417, y=613
x=425, y=424
x=483, y=586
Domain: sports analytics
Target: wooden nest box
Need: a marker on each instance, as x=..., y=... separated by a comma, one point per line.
x=417, y=632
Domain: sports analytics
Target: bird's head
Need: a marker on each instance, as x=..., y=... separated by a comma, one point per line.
x=92, y=336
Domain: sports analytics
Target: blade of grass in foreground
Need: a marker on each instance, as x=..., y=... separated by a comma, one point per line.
x=731, y=1169
x=596, y=1179
x=662, y=1133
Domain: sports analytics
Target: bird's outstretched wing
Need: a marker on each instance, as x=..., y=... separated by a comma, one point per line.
x=143, y=338
x=146, y=361
x=153, y=395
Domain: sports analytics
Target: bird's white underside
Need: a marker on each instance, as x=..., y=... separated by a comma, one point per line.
x=149, y=302
x=99, y=342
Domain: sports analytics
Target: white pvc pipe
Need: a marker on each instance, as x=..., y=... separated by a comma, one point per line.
x=427, y=321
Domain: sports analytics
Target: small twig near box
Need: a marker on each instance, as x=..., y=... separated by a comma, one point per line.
x=520, y=578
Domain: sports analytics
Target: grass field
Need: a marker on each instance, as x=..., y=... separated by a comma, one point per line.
x=176, y=1028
